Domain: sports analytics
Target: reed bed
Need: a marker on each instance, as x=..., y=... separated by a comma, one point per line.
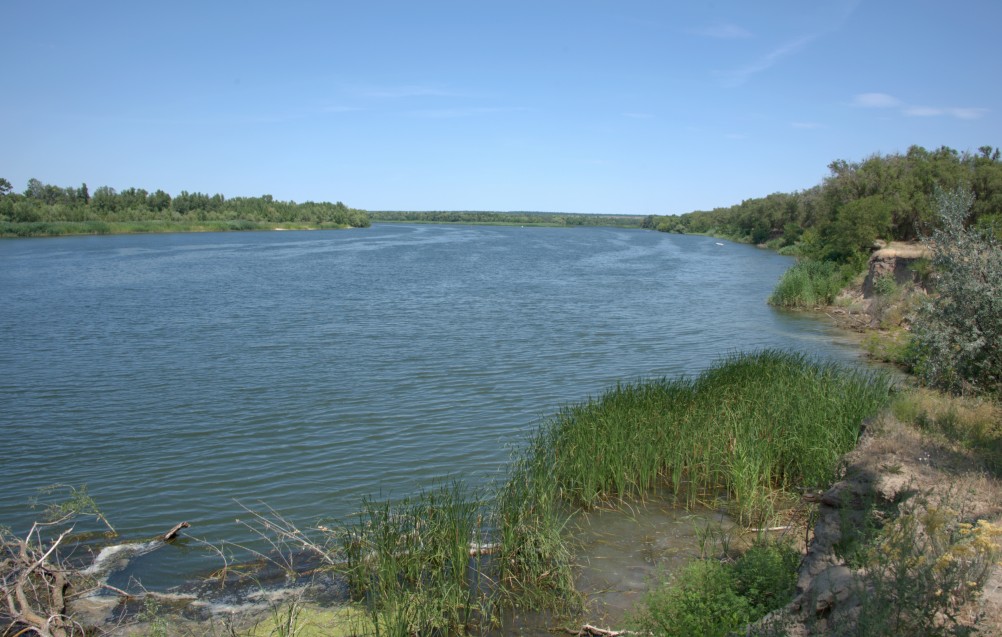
x=415, y=565
x=748, y=430
x=751, y=428
x=810, y=283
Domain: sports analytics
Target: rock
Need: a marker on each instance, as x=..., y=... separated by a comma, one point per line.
x=895, y=260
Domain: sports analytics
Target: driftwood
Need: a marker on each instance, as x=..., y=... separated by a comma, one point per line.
x=170, y=535
x=34, y=584
x=594, y=631
x=769, y=529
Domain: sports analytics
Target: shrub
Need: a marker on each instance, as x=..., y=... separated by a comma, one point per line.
x=701, y=602
x=766, y=575
x=959, y=331
x=709, y=597
x=885, y=286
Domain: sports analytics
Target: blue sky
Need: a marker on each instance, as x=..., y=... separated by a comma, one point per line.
x=628, y=107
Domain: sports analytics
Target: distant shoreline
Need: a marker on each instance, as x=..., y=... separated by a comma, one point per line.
x=41, y=229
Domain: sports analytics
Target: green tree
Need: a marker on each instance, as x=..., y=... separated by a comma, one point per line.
x=83, y=195
x=958, y=334
x=105, y=199
x=855, y=227
x=158, y=201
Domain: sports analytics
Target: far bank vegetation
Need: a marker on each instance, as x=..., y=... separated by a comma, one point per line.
x=49, y=210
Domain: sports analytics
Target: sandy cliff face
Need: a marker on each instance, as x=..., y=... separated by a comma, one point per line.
x=897, y=260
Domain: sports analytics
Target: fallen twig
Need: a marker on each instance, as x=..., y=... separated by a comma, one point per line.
x=170, y=535
x=594, y=631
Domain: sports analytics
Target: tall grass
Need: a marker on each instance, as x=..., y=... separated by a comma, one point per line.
x=811, y=283
x=752, y=426
x=409, y=563
x=747, y=430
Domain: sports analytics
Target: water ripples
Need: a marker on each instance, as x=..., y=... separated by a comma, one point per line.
x=180, y=375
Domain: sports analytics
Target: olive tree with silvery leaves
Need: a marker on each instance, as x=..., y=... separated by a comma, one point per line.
x=958, y=333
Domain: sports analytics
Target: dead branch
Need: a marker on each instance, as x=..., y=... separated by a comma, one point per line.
x=34, y=584
x=594, y=631
x=170, y=535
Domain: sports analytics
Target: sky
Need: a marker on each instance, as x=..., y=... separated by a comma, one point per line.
x=611, y=107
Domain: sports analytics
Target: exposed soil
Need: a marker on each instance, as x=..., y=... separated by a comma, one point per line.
x=892, y=463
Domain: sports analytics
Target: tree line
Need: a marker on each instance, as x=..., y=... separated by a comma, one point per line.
x=47, y=203
x=888, y=197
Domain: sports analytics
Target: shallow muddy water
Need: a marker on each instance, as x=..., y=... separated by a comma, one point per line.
x=620, y=551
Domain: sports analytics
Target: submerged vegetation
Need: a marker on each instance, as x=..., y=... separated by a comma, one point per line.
x=47, y=210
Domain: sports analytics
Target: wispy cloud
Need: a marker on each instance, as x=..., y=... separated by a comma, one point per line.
x=405, y=91
x=957, y=112
x=885, y=101
x=723, y=32
x=834, y=19
x=739, y=76
x=450, y=113
x=876, y=100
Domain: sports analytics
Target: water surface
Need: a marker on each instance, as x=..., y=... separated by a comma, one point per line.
x=178, y=376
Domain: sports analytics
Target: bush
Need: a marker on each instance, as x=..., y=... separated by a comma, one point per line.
x=714, y=598
x=766, y=575
x=702, y=602
x=958, y=334
x=885, y=286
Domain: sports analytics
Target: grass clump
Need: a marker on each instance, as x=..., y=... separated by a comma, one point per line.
x=409, y=564
x=811, y=283
x=711, y=598
x=748, y=430
x=532, y=557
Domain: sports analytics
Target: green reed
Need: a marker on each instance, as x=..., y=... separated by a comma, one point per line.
x=810, y=283
x=748, y=428
x=409, y=563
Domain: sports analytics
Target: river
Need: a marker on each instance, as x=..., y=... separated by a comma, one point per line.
x=184, y=376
